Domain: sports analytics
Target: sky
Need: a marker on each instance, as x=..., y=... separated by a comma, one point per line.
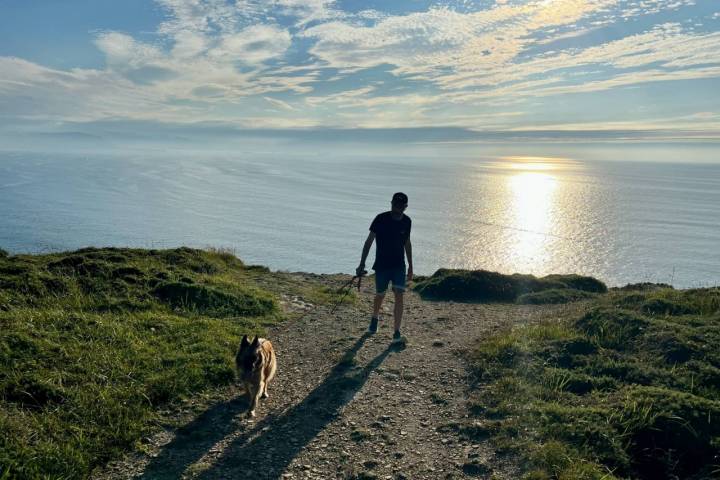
x=453, y=70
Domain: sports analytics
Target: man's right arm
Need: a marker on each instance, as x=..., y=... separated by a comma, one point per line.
x=365, y=252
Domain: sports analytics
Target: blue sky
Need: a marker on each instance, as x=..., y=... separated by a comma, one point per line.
x=78, y=66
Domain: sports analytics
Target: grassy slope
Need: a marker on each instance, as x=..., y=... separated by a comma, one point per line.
x=94, y=343
x=624, y=386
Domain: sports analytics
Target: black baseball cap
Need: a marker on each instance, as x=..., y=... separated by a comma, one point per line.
x=400, y=199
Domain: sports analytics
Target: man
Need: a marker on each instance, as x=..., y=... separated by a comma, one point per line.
x=392, y=231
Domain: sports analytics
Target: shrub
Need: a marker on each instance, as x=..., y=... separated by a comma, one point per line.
x=485, y=286
x=579, y=282
x=462, y=285
x=529, y=283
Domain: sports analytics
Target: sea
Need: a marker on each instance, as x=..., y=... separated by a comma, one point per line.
x=621, y=213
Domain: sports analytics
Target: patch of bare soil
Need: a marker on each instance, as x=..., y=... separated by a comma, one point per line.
x=345, y=404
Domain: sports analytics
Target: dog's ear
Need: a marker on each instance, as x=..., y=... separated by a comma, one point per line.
x=244, y=343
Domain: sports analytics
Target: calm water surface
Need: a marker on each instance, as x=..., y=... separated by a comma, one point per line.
x=559, y=210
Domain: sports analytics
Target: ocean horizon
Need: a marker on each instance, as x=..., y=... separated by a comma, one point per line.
x=623, y=214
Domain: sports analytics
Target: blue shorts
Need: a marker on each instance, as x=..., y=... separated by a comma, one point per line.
x=384, y=277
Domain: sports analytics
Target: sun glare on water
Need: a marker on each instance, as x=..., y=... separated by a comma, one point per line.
x=520, y=217
x=533, y=208
x=532, y=201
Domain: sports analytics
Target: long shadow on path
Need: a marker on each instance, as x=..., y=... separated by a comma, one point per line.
x=267, y=455
x=193, y=440
x=266, y=449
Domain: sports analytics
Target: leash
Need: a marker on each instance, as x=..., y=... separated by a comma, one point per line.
x=348, y=285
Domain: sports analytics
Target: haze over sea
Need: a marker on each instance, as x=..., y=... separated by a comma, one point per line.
x=622, y=213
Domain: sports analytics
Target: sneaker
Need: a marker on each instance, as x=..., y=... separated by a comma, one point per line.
x=373, y=328
x=397, y=338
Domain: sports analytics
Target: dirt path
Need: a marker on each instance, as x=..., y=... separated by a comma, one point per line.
x=345, y=404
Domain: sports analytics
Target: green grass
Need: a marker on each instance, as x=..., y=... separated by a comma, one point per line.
x=554, y=296
x=485, y=286
x=95, y=343
x=627, y=389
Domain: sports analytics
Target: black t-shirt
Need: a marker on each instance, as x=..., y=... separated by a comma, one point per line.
x=390, y=235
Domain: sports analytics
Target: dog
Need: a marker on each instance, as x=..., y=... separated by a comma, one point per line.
x=256, y=365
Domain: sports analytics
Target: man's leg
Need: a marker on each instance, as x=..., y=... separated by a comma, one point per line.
x=398, y=290
x=398, y=308
x=377, y=304
x=381, y=283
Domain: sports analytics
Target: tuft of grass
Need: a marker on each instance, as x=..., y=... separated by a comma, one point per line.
x=557, y=460
x=95, y=343
x=485, y=286
x=611, y=328
x=501, y=349
x=622, y=391
x=212, y=301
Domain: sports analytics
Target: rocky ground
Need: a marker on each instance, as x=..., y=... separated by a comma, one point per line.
x=344, y=404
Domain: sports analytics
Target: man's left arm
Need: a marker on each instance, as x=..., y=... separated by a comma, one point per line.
x=408, y=252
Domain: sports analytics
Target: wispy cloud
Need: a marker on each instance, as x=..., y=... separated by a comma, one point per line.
x=252, y=45
x=279, y=103
x=665, y=53
x=314, y=64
